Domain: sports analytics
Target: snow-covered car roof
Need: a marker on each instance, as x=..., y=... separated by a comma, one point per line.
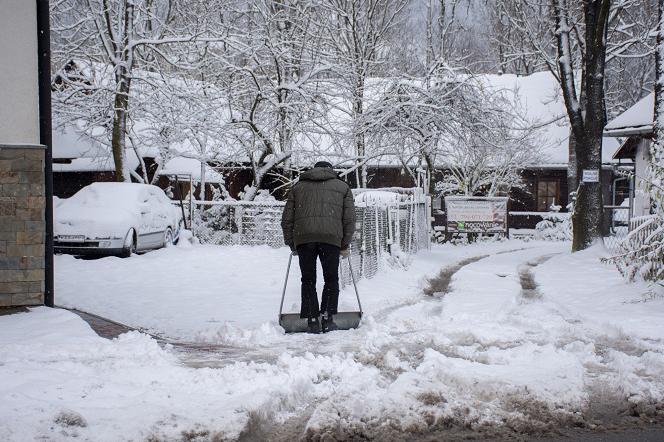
x=109, y=194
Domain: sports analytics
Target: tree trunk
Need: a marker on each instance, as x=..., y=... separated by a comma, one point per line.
x=572, y=173
x=586, y=114
x=657, y=147
x=589, y=211
x=118, y=141
x=360, y=147
x=202, y=183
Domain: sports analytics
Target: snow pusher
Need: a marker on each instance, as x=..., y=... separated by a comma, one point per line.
x=292, y=323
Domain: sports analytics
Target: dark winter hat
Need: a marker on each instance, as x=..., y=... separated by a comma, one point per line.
x=323, y=164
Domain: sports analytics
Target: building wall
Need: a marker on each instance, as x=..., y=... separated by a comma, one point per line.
x=22, y=221
x=66, y=184
x=22, y=226
x=642, y=162
x=388, y=177
x=19, y=100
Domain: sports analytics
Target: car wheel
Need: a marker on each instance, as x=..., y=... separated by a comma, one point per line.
x=168, y=237
x=129, y=247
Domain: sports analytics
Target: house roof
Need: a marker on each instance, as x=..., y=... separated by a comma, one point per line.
x=75, y=151
x=70, y=143
x=537, y=97
x=101, y=163
x=627, y=150
x=637, y=120
x=540, y=99
x=190, y=166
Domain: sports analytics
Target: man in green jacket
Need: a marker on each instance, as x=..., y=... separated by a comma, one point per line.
x=319, y=222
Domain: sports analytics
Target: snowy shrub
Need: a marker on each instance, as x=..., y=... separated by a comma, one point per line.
x=554, y=227
x=210, y=222
x=641, y=253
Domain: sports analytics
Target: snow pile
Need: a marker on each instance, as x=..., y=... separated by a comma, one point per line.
x=73, y=384
x=497, y=354
x=524, y=336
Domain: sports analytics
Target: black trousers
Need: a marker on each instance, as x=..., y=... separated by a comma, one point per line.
x=329, y=259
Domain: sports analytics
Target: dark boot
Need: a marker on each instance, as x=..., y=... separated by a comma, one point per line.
x=328, y=324
x=313, y=325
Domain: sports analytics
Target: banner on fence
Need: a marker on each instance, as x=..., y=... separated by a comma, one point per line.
x=476, y=214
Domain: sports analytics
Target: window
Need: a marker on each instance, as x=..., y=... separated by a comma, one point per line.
x=547, y=194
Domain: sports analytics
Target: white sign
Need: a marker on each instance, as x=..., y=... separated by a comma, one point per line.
x=590, y=176
x=476, y=214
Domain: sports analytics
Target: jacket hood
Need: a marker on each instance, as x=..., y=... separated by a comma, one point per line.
x=319, y=174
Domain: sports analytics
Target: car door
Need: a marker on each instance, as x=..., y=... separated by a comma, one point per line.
x=170, y=213
x=159, y=219
x=145, y=239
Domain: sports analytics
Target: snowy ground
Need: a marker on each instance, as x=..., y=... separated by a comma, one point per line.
x=525, y=337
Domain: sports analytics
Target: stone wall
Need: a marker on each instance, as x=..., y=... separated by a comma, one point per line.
x=22, y=225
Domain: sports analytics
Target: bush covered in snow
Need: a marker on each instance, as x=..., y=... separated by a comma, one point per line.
x=554, y=227
x=641, y=253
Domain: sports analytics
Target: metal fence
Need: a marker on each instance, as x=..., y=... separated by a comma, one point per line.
x=383, y=231
x=617, y=226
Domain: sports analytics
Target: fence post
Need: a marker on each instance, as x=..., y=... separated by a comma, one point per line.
x=191, y=202
x=363, y=245
x=377, y=225
x=411, y=227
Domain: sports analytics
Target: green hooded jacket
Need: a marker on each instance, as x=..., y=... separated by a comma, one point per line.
x=320, y=208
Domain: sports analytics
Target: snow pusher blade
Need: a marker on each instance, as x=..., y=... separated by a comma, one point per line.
x=292, y=323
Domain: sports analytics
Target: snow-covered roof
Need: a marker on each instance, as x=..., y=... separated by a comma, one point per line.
x=637, y=120
x=87, y=154
x=102, y=163
x=191, y=166
x=539, y=96
x=69, y=143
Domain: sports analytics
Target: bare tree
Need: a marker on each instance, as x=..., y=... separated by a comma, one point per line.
x=585, y=37
x=116, y=41
x=476, y=135
x=271, y=81
x=357, y=32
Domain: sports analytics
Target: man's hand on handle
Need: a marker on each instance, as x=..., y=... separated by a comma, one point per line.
x=345, y=253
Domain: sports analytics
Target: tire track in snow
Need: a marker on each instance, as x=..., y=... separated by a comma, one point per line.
x=527, y=278
x=200, y=355
x=439, y=285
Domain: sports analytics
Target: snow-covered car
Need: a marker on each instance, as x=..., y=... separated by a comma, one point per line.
x=115, y=219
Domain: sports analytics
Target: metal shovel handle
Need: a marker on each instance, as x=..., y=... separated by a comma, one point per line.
x=283, y=293
x=352, y=276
